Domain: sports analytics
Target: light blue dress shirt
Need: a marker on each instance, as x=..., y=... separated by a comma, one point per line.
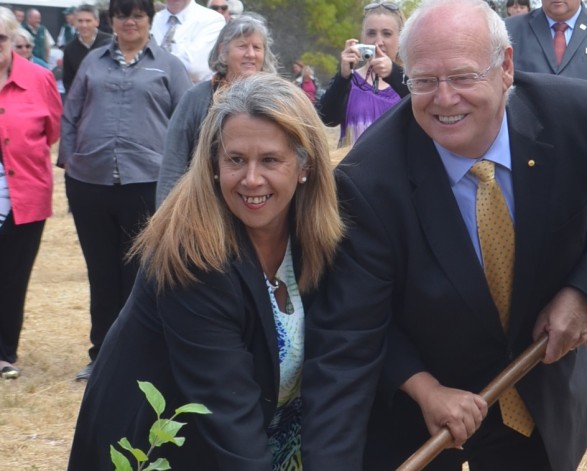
x=570, y=22
x=464, y=184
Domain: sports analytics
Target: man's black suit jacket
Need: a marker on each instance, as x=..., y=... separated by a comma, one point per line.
x=407, y=292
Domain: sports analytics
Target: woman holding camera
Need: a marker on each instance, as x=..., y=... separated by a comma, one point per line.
x=369, y=81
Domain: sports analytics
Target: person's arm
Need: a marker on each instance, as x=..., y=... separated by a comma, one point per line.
x=194, y=51
x=72, y=111
x=396, y=80
x=203, y=328
x=52, y=99
x=564, y=319
x=332, y=106
x=179, y=82
x=346, y=329
x=460, y=411
x=182, y=137
x=49, y=43
x=68, y=70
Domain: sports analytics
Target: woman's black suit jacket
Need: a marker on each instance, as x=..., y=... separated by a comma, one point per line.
x=212, y=343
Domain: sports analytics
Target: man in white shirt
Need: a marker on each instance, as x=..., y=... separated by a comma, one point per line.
x=194, y=36
x=221, y=6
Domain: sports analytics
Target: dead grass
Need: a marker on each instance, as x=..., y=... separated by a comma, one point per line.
x=38, y=411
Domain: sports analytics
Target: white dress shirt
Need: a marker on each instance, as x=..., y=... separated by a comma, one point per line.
x=195, y=35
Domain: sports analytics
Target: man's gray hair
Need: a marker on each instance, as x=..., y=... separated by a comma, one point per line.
x=498, y=35
x=86, y=7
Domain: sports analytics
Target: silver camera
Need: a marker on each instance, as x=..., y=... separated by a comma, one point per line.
x=366, y=51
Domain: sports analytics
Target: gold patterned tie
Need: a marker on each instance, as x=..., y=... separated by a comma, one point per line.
x=496, y=236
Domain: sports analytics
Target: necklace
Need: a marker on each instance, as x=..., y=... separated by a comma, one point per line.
x=271, y=286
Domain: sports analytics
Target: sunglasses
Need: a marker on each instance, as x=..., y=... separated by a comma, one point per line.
x=23, y=46
x=3, y=38
x=387, y=5
x=219, y=7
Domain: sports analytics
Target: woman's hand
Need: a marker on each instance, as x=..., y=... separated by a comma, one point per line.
x=349, y=57
x=381, y=64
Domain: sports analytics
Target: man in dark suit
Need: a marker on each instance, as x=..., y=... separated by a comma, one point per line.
x=407, y=325
x=87, y=20
x=533, y=39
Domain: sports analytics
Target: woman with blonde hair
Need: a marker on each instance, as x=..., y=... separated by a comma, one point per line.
x=370, y=81
x=229, y=264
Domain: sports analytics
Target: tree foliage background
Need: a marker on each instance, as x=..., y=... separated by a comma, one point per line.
x=315, y=30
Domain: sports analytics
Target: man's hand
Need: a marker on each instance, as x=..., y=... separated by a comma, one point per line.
x=564, y=319
x=460, y=411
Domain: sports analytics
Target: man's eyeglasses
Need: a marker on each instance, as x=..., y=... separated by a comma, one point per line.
x=218, y=7
x=387, y=5
x=23, y=46
x=425, y=85
x=3, y=38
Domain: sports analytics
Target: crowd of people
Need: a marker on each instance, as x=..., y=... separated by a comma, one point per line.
x=329, y=318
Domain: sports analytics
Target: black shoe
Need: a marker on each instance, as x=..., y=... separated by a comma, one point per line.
x=10, y=372
x=85, y=372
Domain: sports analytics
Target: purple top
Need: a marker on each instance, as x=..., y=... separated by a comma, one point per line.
x=363, y=108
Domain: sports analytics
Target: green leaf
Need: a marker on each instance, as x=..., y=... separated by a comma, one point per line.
x=120, y=461
x=192, y=409
x=139, y=454
x=154, y=397
x=164, y=431
x=160, y=465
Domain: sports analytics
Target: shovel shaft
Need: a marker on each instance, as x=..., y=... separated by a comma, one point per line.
x=491, y=393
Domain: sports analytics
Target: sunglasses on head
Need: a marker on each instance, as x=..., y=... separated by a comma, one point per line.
x=219, y=7
x=387, y=5
x=3, y=38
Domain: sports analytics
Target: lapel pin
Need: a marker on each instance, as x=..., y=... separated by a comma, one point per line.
x=531, y=163
x=582, y=26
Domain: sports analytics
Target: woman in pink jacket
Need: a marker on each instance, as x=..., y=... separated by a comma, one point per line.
x=30, y=112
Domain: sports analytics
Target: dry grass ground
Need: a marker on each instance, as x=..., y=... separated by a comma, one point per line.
x=38, y=411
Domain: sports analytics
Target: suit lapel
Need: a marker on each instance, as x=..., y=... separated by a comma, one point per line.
x=445, y=231
x=539, y=26
x=250, y=271
x=532, y=173
x=577, y=39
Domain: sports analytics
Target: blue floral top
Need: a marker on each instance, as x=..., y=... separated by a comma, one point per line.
x=285, y=428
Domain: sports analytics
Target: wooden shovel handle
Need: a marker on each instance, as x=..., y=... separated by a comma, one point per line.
x=492, y=392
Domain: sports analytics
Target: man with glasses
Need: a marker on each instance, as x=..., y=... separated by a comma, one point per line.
x=221, y=6
x=188, y=31
x=466, y=239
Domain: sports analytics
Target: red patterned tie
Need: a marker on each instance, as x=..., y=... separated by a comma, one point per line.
x=560, y=43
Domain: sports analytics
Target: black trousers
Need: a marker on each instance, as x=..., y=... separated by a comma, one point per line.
x=19, y=245
x=107, y=218
x=394, y=437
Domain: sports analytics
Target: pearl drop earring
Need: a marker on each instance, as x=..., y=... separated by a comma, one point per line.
x=304, y=179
